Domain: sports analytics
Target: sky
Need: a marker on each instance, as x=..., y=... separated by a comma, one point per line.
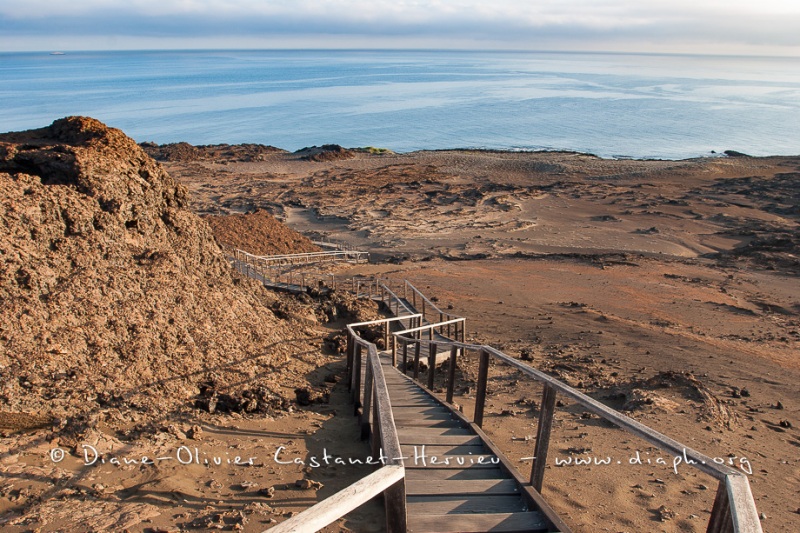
x=763, y=27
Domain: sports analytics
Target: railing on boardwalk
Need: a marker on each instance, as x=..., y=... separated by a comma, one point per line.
x=733, y=511
x=372, y=398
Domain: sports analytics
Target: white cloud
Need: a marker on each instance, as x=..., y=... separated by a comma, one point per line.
x=569, y=24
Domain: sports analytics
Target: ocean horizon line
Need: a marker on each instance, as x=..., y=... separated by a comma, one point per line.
x=407, y=49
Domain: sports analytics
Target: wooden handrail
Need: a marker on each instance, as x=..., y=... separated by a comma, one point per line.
x=430, y=326
x=334, y=507
x=734, y=508
x=425, y=299
x=385, y=440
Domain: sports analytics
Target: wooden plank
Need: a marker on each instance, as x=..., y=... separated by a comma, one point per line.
x=720, y=521
x=407, y=410
x=430, y=417
x=408, y=395
x=534, y=499
x=394, y=498
x=546, y=414
x=494, y=522
x=455, y=440
x=480, y=393
x=427, y=487
x=334, y=507
x=474, y=449
x=456, y=462
x=436, y=432
x=451, y=373
x=743, y=508
x=431, y=473
x=419, y=505
x=402, y=423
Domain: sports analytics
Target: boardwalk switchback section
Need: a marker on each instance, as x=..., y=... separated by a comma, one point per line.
x=439, y=472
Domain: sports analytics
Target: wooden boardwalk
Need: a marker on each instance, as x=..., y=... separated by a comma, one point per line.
x=454, y=483
x=456, y=480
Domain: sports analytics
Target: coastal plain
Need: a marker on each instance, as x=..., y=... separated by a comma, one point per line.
x=146, y=386
x=666, y=289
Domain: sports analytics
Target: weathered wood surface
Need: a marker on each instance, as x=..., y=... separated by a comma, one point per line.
x=734, y=510
x=332, y=508
x=499, y=522
x=453, y=480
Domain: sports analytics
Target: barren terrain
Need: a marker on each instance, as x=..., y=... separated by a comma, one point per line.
x=665, y=288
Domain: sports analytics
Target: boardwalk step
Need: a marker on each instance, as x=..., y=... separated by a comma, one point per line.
x=410, y=422
x=419, y=505
x=477, y=523
x=428, y=487
x=432, y=473
x=438, y=436
x=441, y=451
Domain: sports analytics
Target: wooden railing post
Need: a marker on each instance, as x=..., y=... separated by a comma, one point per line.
x=386, y=336
x=546, y=414
x=431, y=364
x=405, y=357
x=416, y=359
x=451, y=374
x=394, y=500
x=720, y=521
x=480, y=395
x=356, y=392
x=365, y=427
x=349, y=360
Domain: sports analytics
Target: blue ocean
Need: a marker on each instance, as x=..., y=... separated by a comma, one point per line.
x=612, y=105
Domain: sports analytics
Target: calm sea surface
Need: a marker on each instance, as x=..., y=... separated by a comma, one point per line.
x=611, y=105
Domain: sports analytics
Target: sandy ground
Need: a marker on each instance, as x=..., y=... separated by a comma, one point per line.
x=200, y=472
x=668, y=288
x=665, y=288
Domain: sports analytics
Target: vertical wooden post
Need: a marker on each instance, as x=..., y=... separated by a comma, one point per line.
x=480, y=394
x=349, y=359
x=365, y=428
x=377, y=429
x=394, y=500
x=546, y=414
x=357, y=379
x=405, y=357
x=414, y=298
x=423, y=307
x=416, y=359
x=394, y=351
x=462, y=330
x=385, y=335
x=451, y=374
x=431, y=363
x=721, y=521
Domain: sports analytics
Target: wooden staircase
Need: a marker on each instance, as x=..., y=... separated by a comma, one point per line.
x=453, y=481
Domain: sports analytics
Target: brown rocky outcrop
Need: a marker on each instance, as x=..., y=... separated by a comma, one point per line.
x=113, y=293
x=259, y=233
